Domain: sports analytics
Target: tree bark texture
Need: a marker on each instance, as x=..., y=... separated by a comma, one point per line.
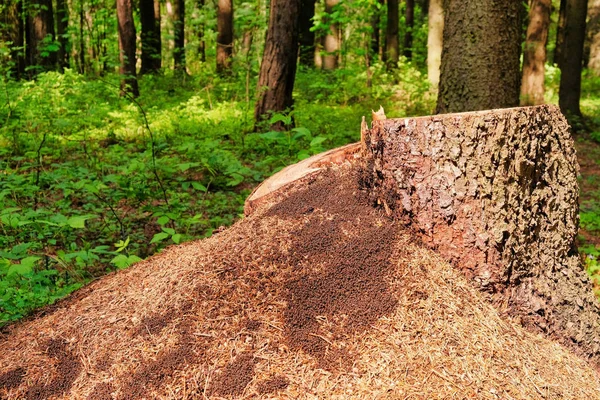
x=224, y=35
x=40, y=34
x=435, y=38
x=306, y=35
x=179, y=35
x=572, y=61
x=481, y=55
x=496, y=194
x=410, y=22
x=332, y=39
x=560, y=33
x=534, y=55
x=150, y=37
x=62, y=26
x=392, y=43
x=278, y=68
x=593, y=36
x=12, y=30
x=127, y=38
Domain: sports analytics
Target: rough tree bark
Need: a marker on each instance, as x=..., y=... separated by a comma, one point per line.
x=179, y=35
x=62, y=26
x=410, y=22
x=278, y=68
x=392, y=44
x=534, y=54
x=560, y=33
x=150, y=37
x=481, y=55
x=224, y=35
x=435, y=40
x=129, y=82
x=572, y=58
x=496, y=193
x=306, y=36
x=40, y=33
x=331, y=44
x=593, y=36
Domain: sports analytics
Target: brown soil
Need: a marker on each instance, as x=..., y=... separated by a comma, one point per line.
x=319, y=296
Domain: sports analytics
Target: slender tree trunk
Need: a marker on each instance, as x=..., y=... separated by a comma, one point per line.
x=593, y=29
x=12, y=30
x=201, y=40
x=375, y=31
x=435, y=38
x=278, y=68
x=332, y=38
x=392, y=44
x=410, y=23
x=534, y=55
x=572, y=58
x=81, y=39
x=481, y=55
x=150, y=40
x=179, y=35
x=306, y=35
x=62, y=25
x=41, y=34
x=224, y=35
x=560, y=33
x=127, y=47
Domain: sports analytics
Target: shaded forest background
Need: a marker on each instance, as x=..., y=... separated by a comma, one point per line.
x=129, y=126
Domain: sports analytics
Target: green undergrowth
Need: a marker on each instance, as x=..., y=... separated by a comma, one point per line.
x=91, y=182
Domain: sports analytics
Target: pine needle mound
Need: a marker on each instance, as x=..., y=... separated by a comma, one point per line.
x=317, y=296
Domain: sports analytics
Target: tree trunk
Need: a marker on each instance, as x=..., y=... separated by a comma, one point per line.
x=332, y=38
x=41, y=35
x=481, y=55
x=410, y=22
x=201, y=40
x=179, y=35
x=129, y=82
x=392, y=44
x=375, y=31
x=305, y=34
x=224, y=35
x=560, y=33
x=570, y=77
x=593, y=29
x=150, y=39
x=496, y=194
x=12, y=30
x=435, y=38
x=278, y=68
x=62, y=26
x=534, y=55
x=81, y=57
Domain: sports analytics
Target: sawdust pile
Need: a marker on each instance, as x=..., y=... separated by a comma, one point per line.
x=318, y=296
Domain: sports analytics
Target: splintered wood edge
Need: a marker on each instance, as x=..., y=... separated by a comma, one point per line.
x=296, y=172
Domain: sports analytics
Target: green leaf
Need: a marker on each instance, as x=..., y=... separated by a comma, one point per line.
x=159, y=237
x=122, y=261
x=170, y=231
x=78, y=221
x=25, y=267
x=176, y=238
x=300, y=132
x=199, y=186
x=317, y=141
x=163, y=220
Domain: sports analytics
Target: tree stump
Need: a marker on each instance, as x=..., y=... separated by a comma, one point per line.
x=495, y=193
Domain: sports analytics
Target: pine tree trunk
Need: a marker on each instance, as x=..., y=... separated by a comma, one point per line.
x=149, y=38
x=392, y=44
x=40, y=33
x=534, y=54
x=560, y=33
x=435, y=38
x=278, y=68
x=496, y=194
x=127, y=39
x=593, y=29
x=481, y=55
x=201, y=40
x=332, y=39
x=62, y=26
x=306, y=35
x=570, y=78
x=410, y=22
x=224, y=35
x=179, y=36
